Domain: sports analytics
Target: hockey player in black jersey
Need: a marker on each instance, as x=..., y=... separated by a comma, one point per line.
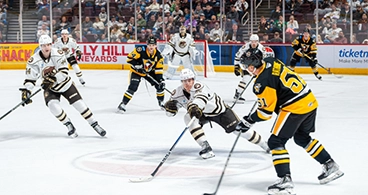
x=283, y=92
x=305, y=45
x=145, y=60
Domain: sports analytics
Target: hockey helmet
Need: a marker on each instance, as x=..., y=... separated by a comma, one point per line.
x=254, y=58
x=152, y=40
x=65, y=31
x=254, y=37
x=186, y=74
x=44, y=39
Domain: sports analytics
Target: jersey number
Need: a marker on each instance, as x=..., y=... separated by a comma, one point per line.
x=292, y=81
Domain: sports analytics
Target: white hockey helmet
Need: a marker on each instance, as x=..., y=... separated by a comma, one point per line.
x=65, y=31
x=44, y=39
x=186, y=74
x=254, y=37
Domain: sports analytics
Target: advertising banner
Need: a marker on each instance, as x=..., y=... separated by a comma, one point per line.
x=15, y=55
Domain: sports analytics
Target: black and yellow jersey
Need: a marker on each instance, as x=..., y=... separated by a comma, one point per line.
x=140, y=56
x=308, y=46
x=279, y=88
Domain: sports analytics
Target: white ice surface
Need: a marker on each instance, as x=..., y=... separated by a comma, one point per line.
x=38, y=158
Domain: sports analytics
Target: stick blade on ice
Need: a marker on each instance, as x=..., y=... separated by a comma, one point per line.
x=141, y=179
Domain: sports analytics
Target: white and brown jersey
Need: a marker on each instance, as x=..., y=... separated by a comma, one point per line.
x=69, y=47
x=37, y=62
x=201, y=95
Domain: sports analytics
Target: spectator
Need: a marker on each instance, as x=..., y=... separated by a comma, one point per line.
x=42, y=31
x=98, y=27
x=241, y=7
x=43, y=9
x=354, y=4
x=177, y=12
x=120, y=4
x=311, y=30
x=292, y=25
x=166, y=6
x=363, y=23
x=275, y=15
x=87, y=25
x=99, y=4
x=184, y=4
x=154, y=6
x=187, y=13
x=326, y=24
x=141, y=23
x=227, y=25
x=278, y=25
x=265, y=39
x=158, y=22
x=345, y=14
x=211, y=24
x=88, y=3
x=365, y=41
x=54, y=38
x=122, y=25
x=201, y=33
x=202, y=20
x=216, y=33
x=62, y=24
x=115, y=32
x=264, y=26
x=334, y=14
x=332, y=33
x=276, y=38
x=208, y=12
x=341, y=39
x=292, y=6
x=198, y=10
x=147, y=14
x=358, y=13
x=319, y=39
x=112, y=21
x=77, y=37
x=103, y=15
x=354, y=39
x=43, y=21
x=151, y=22
x=364, y=5
x=233, y=15
x=1, y=37
x=188, y=25
x=234, y=35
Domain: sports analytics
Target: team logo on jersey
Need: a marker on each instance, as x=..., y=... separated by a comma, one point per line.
x=66, y=50
x=182, y=43
x=305, y=47
x=197, y=86
x=30, y=60
x=257, y=87
x=148, y=65
x=60, y=51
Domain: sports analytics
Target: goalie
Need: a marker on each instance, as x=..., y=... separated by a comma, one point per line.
x=180, y=50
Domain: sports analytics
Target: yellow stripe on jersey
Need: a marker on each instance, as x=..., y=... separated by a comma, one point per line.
x=318, y=151
x=311, y=145
x=267, y=101
x=279, y=152
x=280, y=121
x=283, y=161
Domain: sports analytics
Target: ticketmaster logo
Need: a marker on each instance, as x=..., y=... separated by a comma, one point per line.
x=353, y=53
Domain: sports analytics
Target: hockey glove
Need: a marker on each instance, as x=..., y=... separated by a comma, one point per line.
x=140, y=69
x=299, y=52
x=245, y=124
x=79, y=54
x=161, y=85
x=237, y=70
x=25, y=96
x=171, y=107
x=48, y=82
x=194, y=111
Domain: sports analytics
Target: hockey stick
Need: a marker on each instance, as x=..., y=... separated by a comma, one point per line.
x=21, y=103
x=326, y=69
x=228, y=158
x=149, y=178
x=236, y=100
x=156, y=82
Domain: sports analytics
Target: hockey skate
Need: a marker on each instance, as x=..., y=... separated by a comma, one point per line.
x=238, y=99
x=71, y=130
x=206, y=151
x=98, y=129
x=161, y=104
x=121, y=107
x=283, y=186
x=319, y=77
x=330, y=172
x=81, y=80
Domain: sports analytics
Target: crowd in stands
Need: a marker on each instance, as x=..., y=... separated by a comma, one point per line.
x=333, y=22
x=3, y=19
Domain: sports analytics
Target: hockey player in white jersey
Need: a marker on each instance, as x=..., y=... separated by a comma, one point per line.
x=180, y=51
x=206, y=106
x=240, y=69
x=50, y=64
x=68, y=44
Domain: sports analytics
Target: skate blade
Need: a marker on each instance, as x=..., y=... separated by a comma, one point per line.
x=141, y=179
x=287, y=191
x=208, y=155
x=74, y=135
x=332, y=177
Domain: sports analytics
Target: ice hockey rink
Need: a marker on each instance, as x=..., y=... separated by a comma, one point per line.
x=38, y=158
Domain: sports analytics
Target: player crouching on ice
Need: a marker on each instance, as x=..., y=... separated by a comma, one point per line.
x=51, y=64
x=206, y=106
x=284, y=92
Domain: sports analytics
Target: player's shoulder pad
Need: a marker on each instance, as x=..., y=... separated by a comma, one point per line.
x=139, y=49
x=56, y=52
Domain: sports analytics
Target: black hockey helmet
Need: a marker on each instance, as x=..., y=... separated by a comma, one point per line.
x=152, y=40
x=254, y=58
